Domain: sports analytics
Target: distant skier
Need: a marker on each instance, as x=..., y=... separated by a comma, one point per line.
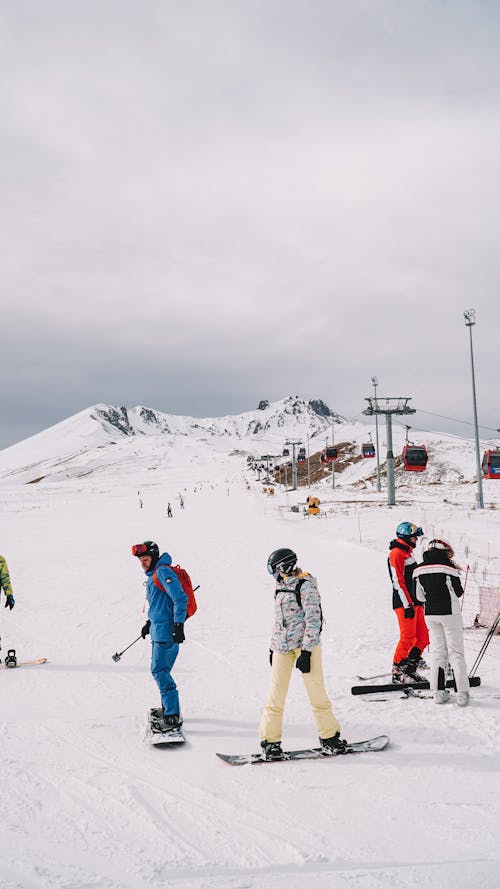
x=140, y=503
x=165, y=624
x=181, y=502
x=437, y=585
x=296, y=641
x=413, y=633
x=6, y=586
x=169, y=511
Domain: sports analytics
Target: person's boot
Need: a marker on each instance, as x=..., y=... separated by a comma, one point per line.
x=463, y=698
x=399, y=673
x=441, y=696
x=333, y=746
x=167, y=723
x=412, y=664
x=271, y=750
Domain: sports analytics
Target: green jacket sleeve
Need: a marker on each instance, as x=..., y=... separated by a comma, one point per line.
x=5, y=583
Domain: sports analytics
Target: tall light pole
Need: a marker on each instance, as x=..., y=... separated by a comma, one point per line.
x=470, y=320
x=308, y=466
x=375, y=384
x=333, y=444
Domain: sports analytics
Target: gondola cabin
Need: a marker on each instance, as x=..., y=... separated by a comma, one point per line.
x=415, y=457
x=490, y=465
x=368, y=449
x=286, y=452
x=301, y=458
x=330, y=454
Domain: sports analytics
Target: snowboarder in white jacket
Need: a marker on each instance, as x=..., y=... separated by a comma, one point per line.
x=296, y=641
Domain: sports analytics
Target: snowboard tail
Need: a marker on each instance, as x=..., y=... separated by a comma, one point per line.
x=40, y=660
x=370, y=745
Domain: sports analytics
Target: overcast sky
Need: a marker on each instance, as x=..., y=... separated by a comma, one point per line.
x=209, y=202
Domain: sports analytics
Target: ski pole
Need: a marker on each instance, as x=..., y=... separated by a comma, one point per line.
x=117, y=655
x=484, y=646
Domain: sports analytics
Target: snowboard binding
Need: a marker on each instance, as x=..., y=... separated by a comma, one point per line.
x=11, y=659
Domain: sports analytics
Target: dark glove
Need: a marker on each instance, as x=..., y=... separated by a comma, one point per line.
x=410, y=612
x=271, y=656
x=179, y=633
x=304, y=662
x=145, y=629
x=10, y=601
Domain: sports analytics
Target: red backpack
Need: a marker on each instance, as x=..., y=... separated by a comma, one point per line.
x=187, y=586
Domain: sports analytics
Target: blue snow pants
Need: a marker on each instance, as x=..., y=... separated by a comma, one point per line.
x=163, y=657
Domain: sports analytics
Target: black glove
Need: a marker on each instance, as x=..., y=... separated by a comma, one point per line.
x=10, y=601
x=303, y=662
x=179, y=633
x=145, y=629
x=271, y=656
x=410, y=612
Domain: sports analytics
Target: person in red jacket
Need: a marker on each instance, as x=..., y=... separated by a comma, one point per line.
x=413, y=633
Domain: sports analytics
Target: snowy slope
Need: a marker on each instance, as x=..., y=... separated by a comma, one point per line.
x=88, y=804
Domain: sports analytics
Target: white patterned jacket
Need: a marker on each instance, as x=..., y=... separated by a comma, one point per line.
x=297, y=613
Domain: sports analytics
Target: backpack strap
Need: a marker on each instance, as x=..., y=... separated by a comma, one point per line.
x=296, y=591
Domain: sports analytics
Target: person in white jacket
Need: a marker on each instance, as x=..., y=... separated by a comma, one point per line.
x=437, y=584
x=296, y=641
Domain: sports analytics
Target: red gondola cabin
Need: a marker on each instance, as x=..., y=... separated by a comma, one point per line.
x=330, y=454
x=368, y=449
x=490, y=465
x=415, y=457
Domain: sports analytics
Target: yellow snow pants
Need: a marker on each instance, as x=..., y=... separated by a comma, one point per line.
x=281, y=671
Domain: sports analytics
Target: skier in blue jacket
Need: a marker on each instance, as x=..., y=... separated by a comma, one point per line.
x=166, y=616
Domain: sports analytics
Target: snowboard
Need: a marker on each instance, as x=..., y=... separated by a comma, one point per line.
x=40, y=660
x=157, y=738
x=371, y=745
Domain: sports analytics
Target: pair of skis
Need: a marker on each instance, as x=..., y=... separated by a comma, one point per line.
x=406, y=686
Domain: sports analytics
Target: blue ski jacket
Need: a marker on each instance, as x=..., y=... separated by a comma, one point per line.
x=168, y=606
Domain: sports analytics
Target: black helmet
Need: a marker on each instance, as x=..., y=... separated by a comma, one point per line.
x=281, y=561
x=148, y=548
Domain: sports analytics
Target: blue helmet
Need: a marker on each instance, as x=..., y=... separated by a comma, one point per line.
x=408, y=529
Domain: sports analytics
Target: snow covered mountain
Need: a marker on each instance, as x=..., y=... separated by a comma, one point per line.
x=106, y=439
x=82, y=443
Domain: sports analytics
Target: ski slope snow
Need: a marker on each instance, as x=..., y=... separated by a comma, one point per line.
x=86, y=804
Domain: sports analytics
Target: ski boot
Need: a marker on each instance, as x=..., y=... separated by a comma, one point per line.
x=399, y=673
x=441, y=696
x=463, y=698
x=412, y=664
x=333, y=746
x=11, y=659
x=271, y=750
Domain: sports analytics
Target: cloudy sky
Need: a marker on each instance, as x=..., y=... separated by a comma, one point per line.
x=208, y=203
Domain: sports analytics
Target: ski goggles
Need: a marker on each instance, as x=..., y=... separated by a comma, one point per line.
x=416, y=532
x=140, y=549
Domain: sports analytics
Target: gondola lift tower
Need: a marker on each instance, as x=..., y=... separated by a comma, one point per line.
x=389, y=407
